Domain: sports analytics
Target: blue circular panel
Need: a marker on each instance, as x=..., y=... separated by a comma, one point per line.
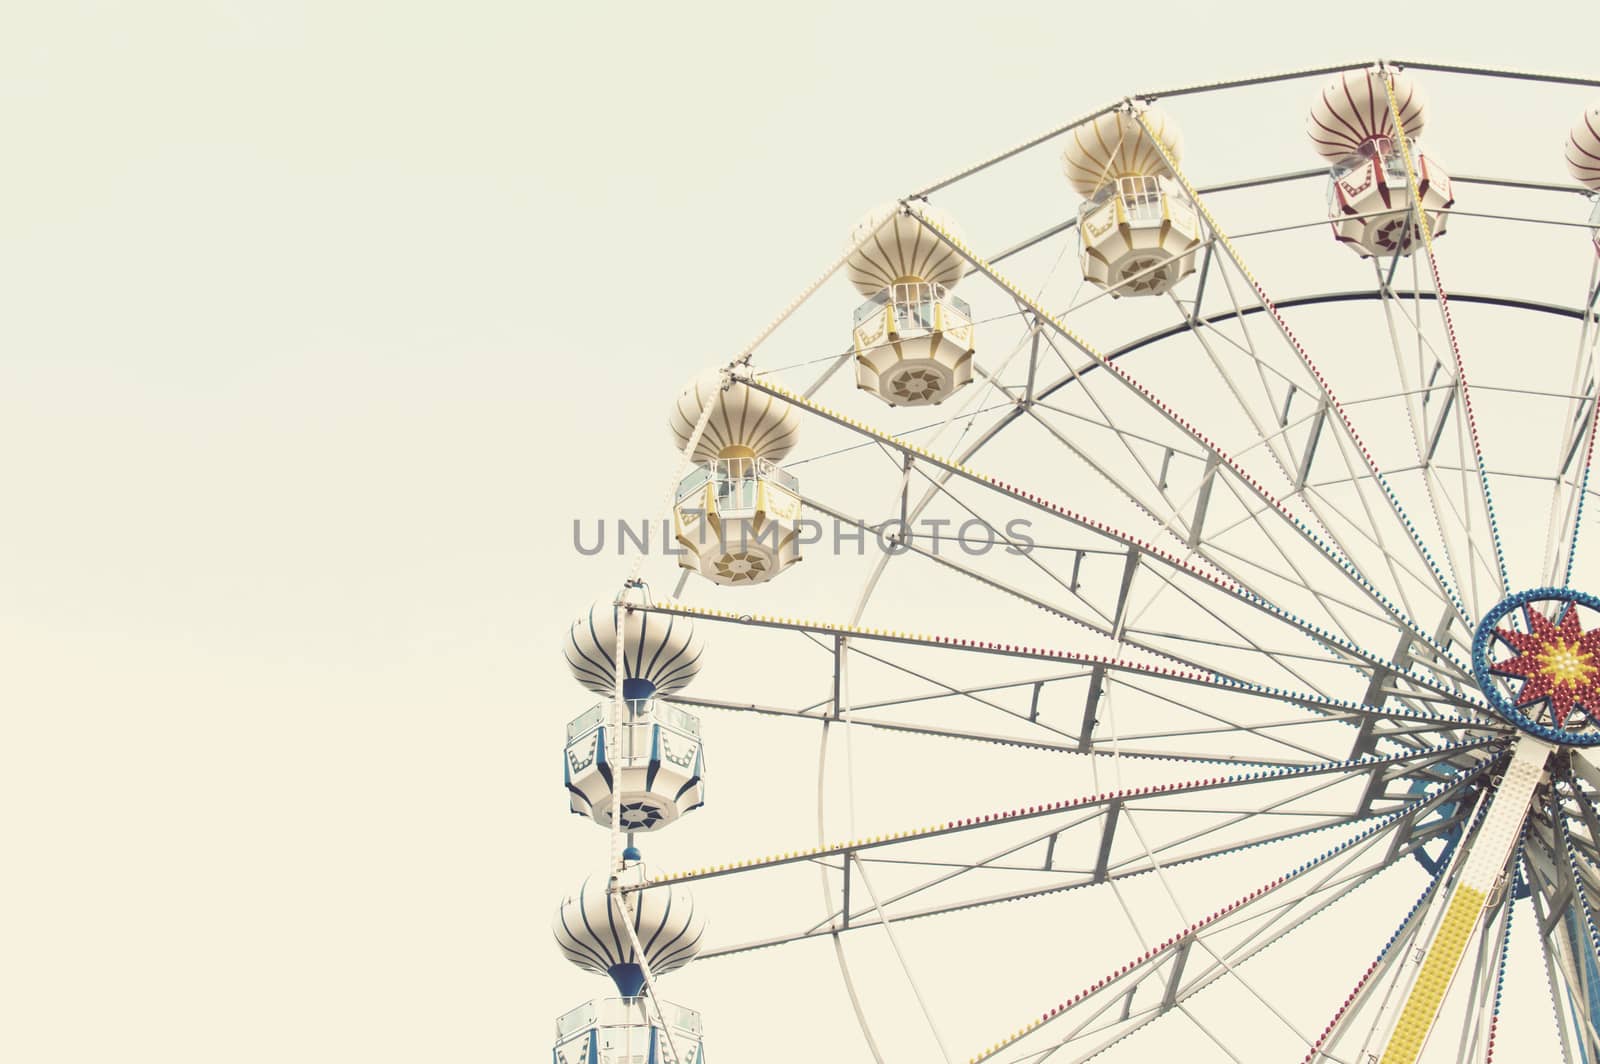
x=1542, y=722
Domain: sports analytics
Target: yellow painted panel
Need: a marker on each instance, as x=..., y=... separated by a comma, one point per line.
x=1438, y=968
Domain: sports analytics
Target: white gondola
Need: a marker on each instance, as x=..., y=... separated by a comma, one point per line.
x=1583, y=160
x=591, y=930
x=736, y=516
x=624, y=1031
x=1137, y=229
x=657, y=768
x=1369, y=191
x=913, y=339
x=653, y=769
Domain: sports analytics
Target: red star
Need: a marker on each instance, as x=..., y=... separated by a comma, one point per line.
x=1561, y=663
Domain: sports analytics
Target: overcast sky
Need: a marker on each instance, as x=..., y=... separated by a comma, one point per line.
x=320, y=323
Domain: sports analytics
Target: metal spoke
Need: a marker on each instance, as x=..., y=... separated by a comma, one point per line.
x=1334, y=642
x=1206, y=678
x=1226, y=463
x=1169, y=958
x=1443, y=303
x=1571, y=482
x=1340, y=419
x=1099, y=816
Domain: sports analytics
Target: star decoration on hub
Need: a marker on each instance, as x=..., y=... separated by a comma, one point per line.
x=1559, y=662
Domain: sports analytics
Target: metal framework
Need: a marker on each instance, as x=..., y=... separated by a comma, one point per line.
x=1258, y=555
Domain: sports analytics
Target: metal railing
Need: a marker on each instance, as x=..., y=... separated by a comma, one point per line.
x=1142, y=198
x=734, y=481
x=638, y=713
x=1383, y=149
x=579, y=1019
x=627, y=1012
x=915, y=305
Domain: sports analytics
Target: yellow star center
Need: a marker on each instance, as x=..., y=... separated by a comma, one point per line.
x=1564, y=663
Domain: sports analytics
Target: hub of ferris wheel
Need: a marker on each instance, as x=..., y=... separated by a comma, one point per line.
x=1536, y=659
x=634, y=762
x=1546, y=642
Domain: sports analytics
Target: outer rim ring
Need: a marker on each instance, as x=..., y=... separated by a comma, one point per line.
x=1480, y=664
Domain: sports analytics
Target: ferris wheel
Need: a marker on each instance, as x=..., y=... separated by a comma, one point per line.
x=1232, y=521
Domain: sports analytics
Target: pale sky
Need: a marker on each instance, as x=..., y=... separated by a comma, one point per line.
x=322, y=322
